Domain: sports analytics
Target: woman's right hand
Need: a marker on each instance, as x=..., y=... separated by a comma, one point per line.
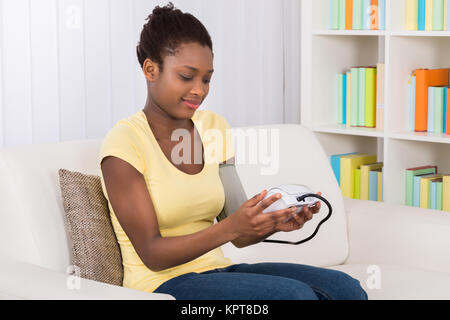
x=249, y=221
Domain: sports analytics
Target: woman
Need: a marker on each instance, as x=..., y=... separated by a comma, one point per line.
x=163, y=209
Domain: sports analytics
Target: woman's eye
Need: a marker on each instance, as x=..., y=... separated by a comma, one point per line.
x=185, y=78
x=207, y=81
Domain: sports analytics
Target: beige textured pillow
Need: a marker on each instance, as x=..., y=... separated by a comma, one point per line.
x=95, y=249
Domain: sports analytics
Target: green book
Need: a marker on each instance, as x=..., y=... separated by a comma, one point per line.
x=358, y=14
x=438, y=109
x=439, y=195
x=341, y=14
x=409, y=185
x=340, y=97
x=357, y=191
x=354, y=110
x=334, y=14
x=362, y=97
x=438, y=15
x=371, y=97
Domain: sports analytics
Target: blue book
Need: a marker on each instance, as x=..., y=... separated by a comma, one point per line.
x=412, y=103
x=336, y=165
x=448, y=14
x=373, y=186
x=432, y=197
x=344, y=99
x=416, y=201
x=421, y=22
x=382, y=13
x=366, y=15
x=445, y=111
x=430, y=109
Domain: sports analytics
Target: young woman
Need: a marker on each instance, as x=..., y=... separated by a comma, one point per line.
x=163, y=209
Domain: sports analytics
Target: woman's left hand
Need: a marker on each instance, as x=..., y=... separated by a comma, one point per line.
x=299, y=219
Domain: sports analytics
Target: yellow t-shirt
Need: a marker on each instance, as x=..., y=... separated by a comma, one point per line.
x=184, y=203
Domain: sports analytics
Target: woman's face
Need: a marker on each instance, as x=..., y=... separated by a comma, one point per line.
x=184, y=83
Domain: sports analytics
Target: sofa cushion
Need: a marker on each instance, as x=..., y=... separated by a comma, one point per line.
x=396, y=282
x=94, y=245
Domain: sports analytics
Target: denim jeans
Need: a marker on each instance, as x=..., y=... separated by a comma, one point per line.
x=265, y=281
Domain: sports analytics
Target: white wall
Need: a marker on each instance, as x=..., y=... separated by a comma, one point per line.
x=68, y=68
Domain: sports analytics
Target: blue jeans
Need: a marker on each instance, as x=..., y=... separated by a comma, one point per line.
x=265, y=281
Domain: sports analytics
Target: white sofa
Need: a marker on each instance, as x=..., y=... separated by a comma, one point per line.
x=396, y=252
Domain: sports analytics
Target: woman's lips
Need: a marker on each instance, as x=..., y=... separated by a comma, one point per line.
x=192, y=105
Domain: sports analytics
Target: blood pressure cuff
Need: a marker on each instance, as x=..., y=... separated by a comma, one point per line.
x=234, y=191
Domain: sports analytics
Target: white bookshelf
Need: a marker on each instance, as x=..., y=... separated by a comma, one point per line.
x=325, y=53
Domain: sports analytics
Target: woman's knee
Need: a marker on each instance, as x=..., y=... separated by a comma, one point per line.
x=346, y=288
x=289, y=289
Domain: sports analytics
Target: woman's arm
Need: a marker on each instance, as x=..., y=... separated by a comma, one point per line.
x=133, y=207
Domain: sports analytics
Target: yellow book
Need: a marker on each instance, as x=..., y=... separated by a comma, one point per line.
x=348, y=165
x=357, y=191
x=412, y=14
x=365, y=169
x=446, y=193
x=429, y=15
x=425, y=190
x=380, y=186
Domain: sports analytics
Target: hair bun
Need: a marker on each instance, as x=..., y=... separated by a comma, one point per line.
x=159, y=11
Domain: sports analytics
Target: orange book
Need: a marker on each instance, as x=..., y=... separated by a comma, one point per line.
x=348, y=14
x=374, y=15
x=448, y=111
x=426, y=78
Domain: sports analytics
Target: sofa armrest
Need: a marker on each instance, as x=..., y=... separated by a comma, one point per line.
x=382, y=233
x=21, y=280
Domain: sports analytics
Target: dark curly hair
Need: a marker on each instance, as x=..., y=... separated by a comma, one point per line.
x=167, y=28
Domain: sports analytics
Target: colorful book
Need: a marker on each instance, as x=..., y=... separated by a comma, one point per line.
x=357, y=190
x=439, y=195
x=447, y=11
x=435, y=197
x=380, y=97
x=349, y=100
x=348, y=165
x=417, y=188
x=348, y=14
x=335, y=161
x=380, y=185
x=438, y=120
x=426, y=78
x=409, y=178
x=412, y=101
x=382, y=13
x=334, y=14
x=421, y=15
x=444, y=128
x=430, y=115
x=411, y=14
x=365, y=170
x=354, y=97
x=425, y=199
x=446, y=193
x=341, y=15
x=445, y=14
x=448, y=112
x=375, y=15
x=373, y=185
x=362, y=97
x=371, y=98
x=358, y=14
x=344, y=98
x=340, y=94
x=438, y=15
x=367, y=12
x=428, y=15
